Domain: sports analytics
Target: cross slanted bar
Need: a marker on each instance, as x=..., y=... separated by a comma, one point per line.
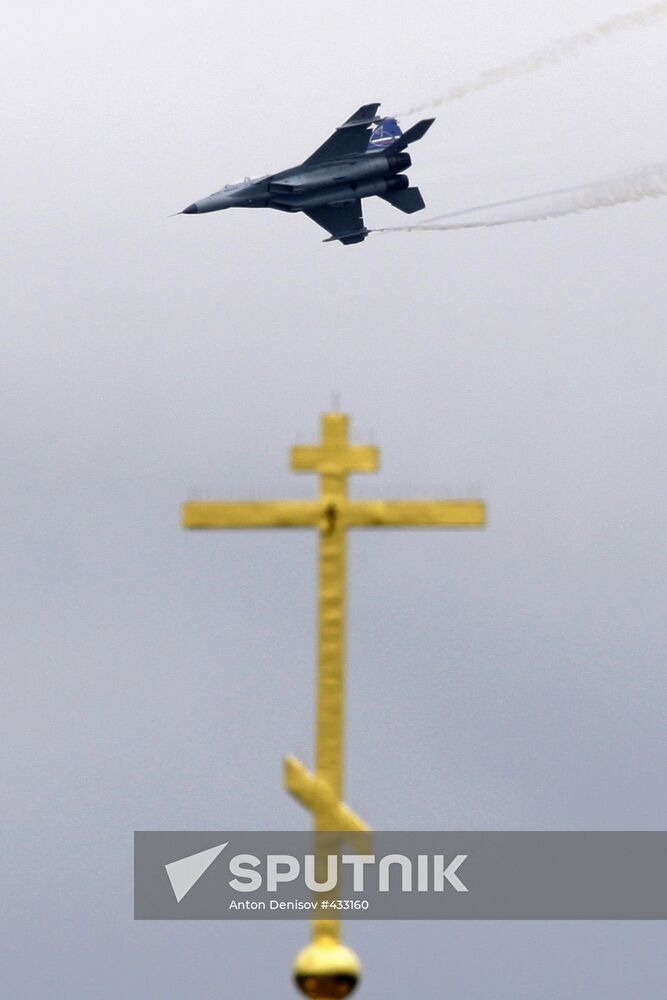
x=332, y=514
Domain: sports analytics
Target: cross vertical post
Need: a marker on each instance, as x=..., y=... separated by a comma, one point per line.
x=334, y=459
x=327, y=970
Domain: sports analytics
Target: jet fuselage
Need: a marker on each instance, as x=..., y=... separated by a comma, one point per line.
x=306, y=186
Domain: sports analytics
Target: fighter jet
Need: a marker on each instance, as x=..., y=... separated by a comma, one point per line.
x=357, y=161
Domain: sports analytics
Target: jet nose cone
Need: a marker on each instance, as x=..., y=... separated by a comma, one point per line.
x=190, y=210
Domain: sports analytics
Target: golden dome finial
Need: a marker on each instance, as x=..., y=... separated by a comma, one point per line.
x=327, y=970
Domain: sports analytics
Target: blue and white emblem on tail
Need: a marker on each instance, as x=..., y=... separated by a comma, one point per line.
x=387, y=132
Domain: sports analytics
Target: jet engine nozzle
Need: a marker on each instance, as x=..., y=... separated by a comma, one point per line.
x=398, y=162
x=398, y=183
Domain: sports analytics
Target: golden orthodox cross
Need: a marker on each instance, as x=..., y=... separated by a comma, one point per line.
x=332, y=514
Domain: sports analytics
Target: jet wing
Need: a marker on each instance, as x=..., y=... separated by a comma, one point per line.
x=350, y=139
x=345, y=222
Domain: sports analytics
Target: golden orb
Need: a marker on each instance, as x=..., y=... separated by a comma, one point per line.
x=327, y=970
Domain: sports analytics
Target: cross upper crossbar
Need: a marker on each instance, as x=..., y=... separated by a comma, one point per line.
x=317, y=513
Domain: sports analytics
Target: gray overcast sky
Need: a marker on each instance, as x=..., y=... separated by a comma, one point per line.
x=511, y=679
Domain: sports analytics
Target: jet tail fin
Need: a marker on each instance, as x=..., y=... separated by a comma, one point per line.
x=415, y=132
x=386, y=133
x=365, y=115
x=408, y=200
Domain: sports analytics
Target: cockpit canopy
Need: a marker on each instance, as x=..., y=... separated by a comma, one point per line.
x=237, y=184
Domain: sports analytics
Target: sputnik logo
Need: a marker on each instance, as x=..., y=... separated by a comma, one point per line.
x=186, y=872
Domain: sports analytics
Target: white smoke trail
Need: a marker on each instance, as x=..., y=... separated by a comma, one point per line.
x=647, y=182
x=551, y=55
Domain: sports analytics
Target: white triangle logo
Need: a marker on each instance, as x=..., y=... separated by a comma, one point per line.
x=186, y=871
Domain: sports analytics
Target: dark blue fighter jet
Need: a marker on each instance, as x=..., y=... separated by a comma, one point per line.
x=357, y=161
